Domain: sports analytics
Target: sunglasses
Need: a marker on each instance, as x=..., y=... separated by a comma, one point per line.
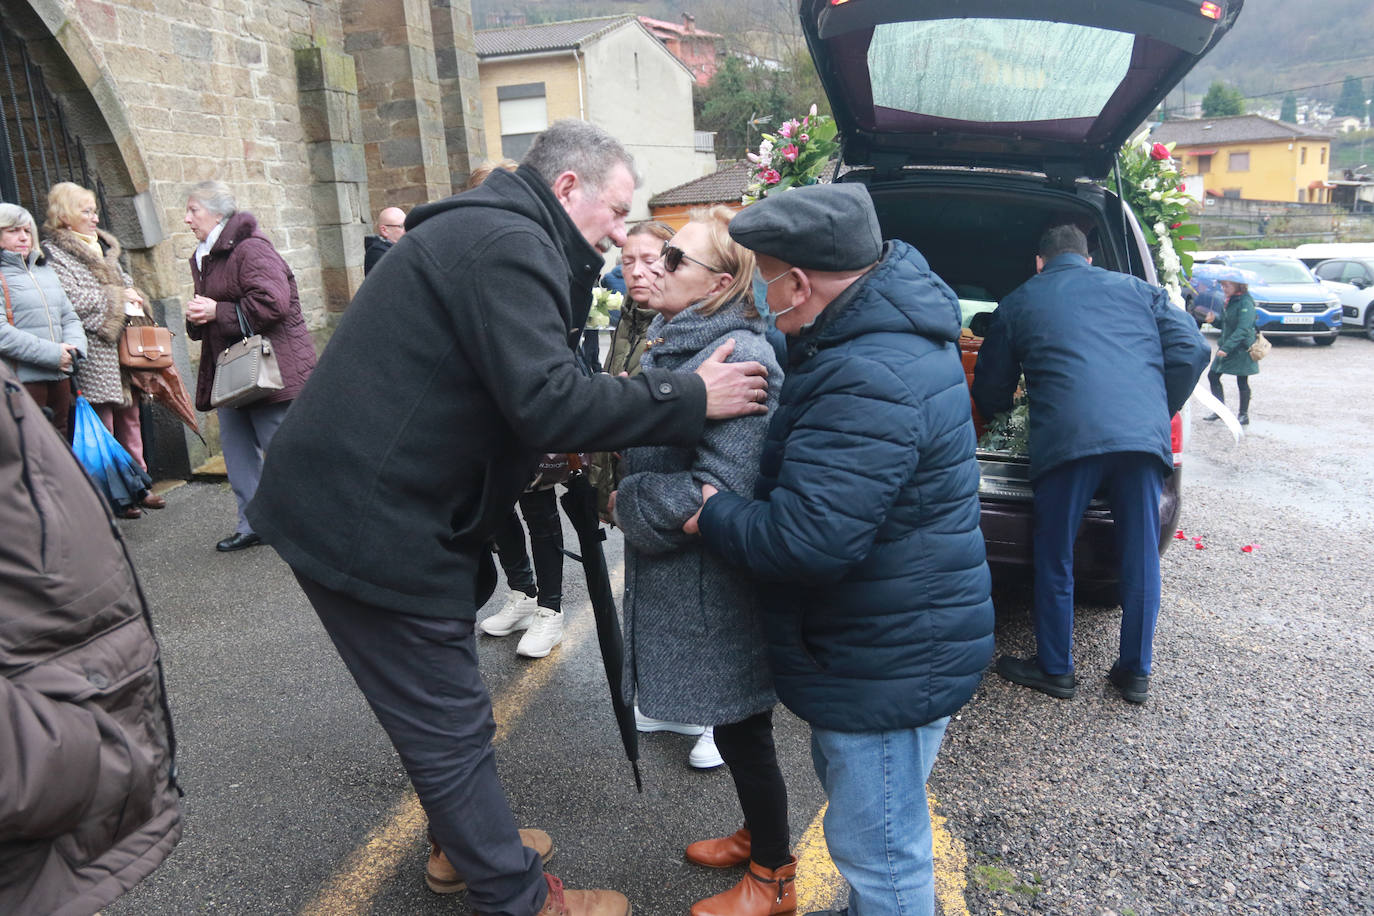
x=672, y=259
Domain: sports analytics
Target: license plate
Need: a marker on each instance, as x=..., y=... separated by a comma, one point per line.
x=1296, y=319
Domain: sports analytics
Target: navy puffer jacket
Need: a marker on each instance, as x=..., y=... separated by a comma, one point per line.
x=864, y=523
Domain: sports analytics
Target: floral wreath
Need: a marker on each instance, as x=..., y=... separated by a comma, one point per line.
x=1152, y=185
x=794, y=157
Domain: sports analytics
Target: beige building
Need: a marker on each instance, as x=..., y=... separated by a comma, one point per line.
x=610, y=71
x=317, y=113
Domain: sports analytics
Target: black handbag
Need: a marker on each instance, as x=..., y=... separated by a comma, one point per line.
x=246, y=371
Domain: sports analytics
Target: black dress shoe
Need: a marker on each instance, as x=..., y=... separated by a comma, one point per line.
x=1028, y=673
x=1212, y=416
x=1134, y=686
x=1244, y=419
x=237, y=541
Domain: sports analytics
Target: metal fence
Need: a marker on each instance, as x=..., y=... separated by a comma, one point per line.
x=1224, y=221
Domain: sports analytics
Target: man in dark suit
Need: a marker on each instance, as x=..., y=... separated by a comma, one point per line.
x=1107, y=360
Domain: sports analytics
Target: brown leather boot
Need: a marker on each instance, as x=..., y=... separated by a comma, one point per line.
x=582, y=903
x=722, y=852
x=443, y=878
x=761, y=892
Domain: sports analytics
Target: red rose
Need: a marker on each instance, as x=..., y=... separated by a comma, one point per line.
x=1159, y=151
x=1175, y=225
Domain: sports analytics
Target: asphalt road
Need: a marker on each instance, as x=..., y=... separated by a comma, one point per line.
x=1240, y=787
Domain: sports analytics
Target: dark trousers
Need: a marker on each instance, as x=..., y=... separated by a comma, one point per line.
x=1133, y=482
x=57, y=397
x=540, y=508
x=420, y=676
x=1242, y=385
x=747, y=749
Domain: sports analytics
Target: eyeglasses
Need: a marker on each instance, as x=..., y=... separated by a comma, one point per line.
x=672, y=259
x=760, y=278
x=90, y=211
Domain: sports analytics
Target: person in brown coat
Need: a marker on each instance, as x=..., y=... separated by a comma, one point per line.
x=88, y=793
x=237, y=271
x=86, y=260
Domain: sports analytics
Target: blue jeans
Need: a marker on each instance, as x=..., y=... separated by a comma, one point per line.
x=878, y=824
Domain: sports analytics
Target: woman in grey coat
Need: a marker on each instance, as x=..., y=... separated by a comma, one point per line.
x=41, y=334
x=694, y=650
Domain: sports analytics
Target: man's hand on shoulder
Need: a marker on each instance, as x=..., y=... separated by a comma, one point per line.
x=733, y=389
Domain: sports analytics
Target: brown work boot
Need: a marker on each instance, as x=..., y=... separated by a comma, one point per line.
x=582, y=903
x=443, y=878
x=722, y=852
x=761, y=892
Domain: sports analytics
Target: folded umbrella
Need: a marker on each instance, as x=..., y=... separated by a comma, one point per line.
x=113, y=469
x=165, y=387
x=580, y=505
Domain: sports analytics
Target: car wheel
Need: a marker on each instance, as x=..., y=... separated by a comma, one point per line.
x=1324, y=341
x=1369, y=321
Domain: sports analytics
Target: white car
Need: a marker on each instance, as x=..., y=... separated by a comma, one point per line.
x=1353, y=280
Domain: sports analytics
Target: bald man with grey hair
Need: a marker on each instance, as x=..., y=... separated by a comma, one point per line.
x=391, y=225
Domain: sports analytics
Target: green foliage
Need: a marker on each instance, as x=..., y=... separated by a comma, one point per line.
x=1222, y=100
x=1288, y=111
x=795, y=156
x=739, y=92
x=1009, y=432
x=1351, y=101
x=1151, y=184
x=1000, y=881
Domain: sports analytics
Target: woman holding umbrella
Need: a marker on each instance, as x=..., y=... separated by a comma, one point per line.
x=237, y=271
x=41, y=335
x=86, y=260
x=694, y=648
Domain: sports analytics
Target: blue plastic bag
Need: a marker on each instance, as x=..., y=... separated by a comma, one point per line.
x=111, y=467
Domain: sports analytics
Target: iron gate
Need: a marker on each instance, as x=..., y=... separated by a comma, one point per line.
x=37, y=149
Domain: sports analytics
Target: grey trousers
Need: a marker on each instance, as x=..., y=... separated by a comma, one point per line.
x=420, y=676
x=244, y=434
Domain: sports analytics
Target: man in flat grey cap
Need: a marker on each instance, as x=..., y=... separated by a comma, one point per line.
x=863, y=530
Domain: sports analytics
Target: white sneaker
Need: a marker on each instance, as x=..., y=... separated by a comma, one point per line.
x=518, y=614
x=704, y=755
x=645, y=723
x=545, y=632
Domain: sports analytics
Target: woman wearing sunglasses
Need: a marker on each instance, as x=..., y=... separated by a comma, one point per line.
x=694, y=647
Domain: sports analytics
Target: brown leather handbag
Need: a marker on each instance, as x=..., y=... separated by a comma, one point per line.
x=145, y=346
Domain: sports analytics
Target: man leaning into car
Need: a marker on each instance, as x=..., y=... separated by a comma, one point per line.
x=1107, y=360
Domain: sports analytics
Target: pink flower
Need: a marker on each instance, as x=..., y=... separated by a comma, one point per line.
x=804, y=138
x=813, y=110
x=789, y=153
x=771, y=176
x=785, y=130
x=1159, y=151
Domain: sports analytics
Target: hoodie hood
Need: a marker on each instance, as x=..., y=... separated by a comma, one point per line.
x=525, y=192
x=901, y=295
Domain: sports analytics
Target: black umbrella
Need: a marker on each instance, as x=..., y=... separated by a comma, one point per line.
x=580, y=505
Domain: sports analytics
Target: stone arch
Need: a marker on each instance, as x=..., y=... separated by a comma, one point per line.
x=61, y=48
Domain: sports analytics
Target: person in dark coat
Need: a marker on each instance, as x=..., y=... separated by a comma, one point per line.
x=1233, y=349
x=863, y=529
x=694, y=648
x=390, y=474
x=1107, y=360
x=237, y=272
x=391, y=225
x=88, y=794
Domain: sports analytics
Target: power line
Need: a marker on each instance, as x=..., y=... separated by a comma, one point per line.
x=1264, y=95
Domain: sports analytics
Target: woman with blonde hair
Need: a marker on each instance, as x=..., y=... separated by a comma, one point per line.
x=86, y=260
x=694, y=649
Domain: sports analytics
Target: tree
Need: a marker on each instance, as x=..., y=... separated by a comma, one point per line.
x=1351, y=101
x=1289, y=110
x=740, y=91
x=1222, y=100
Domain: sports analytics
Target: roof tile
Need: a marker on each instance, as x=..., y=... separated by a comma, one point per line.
x=548, y=36
x=1235, y=129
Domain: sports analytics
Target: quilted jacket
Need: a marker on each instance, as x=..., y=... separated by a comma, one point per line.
x=864, y=521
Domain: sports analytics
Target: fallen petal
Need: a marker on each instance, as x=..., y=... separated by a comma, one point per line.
x=1180, y=536
x=1199, y=546
x=1248, y=548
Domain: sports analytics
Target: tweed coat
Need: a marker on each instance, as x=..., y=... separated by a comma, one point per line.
x=694, y=648
x=95, y=287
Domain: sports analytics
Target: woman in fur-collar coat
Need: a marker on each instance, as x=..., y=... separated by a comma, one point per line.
x=86, y=260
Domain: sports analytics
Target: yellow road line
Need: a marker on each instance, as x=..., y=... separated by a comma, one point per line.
x=376, y=863
x=821, y=887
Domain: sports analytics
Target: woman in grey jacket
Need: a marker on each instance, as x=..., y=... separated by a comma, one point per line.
x=41, y=332
x=694, y=650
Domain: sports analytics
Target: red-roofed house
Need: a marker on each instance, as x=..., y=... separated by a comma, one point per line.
x=699, y=51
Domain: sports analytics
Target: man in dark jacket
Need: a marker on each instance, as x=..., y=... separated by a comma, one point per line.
x=448, y=377
x=391, y=225
x=863, y=528
x=88, y=797
x=1107, y=360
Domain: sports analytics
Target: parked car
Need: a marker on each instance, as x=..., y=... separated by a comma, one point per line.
x=1355, y=277
x=1290, y=301
x=975, y=126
